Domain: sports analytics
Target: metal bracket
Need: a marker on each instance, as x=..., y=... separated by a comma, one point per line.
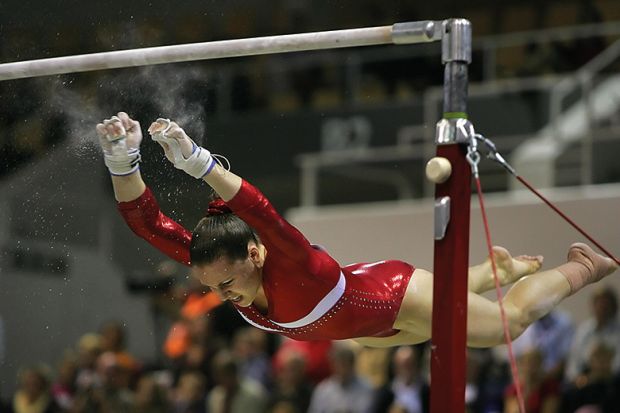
x=494, y=155
x=456, y=41
x=450, y=131
x=442, y=216
x=417, y=32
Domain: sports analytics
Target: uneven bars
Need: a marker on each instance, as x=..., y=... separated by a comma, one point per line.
x=399, y=33
x=452, y=216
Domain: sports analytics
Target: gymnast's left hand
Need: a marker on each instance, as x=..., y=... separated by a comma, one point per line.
x=180, y=149
x=172, y=138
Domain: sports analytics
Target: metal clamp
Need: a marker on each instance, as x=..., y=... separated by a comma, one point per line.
x=417, y=32
x=456, y=41
x=442, y=216
x=473, y=156
x=449, y=131
x=494, y=155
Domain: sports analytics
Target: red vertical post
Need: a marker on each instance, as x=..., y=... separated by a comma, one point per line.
x=452, y=213
x=450, y=289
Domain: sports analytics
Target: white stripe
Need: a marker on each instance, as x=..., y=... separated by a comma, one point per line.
x=255, y=324
x=319, y=311
x=321, y=308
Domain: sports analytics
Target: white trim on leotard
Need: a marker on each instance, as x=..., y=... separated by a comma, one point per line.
x=256, y=324
x=319, y=311
x=322, y=307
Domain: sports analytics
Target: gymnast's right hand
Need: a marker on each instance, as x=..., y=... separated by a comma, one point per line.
x=120, y=138
x=180, y=149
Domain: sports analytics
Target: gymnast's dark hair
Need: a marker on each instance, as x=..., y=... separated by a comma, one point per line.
x=220, y=234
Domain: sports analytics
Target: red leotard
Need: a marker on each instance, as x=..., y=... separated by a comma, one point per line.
x=310, y=297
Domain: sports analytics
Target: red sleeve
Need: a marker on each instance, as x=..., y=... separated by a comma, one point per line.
x=145, y=219
x=274, y=231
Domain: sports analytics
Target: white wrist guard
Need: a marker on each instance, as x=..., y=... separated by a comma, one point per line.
x=120, y=160
x=199, y=163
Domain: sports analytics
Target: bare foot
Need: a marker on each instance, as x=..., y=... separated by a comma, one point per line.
x=597, y=265
x=510, y=269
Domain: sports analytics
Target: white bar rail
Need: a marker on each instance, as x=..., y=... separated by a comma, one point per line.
x=399, y=33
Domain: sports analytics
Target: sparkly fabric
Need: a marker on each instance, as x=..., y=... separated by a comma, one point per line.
x=368, y=307
x=296, y=275
x=146, y=220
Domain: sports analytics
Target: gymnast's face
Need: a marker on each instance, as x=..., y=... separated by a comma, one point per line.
x=239, y=281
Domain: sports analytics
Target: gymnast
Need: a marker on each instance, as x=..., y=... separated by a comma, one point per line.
x=244, y=251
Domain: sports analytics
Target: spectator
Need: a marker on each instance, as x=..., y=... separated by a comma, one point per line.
x=110, y=391
x=553, y=335
x=198, y=358
x=292, y=390
x=408, y=391
x=179, y=306
x=189, y=393
x=234, y=394
x=33, y=394
x=594, y=387
x=477, y=360
x=373, y=363
x=344, y=390
x=249, y=347
x=200, y=344
x=63, y=388
x=113, y=339
x=315, y=354
x=540, y=394
x=284, y=406
x=88, y=350
x=150, y=396
x=602, y=327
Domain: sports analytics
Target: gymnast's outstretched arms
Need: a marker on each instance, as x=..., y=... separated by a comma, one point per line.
x=138, y=205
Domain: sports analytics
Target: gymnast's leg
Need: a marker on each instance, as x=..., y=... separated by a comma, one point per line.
x=480, y=278
x=509, y=270
x=528, y=300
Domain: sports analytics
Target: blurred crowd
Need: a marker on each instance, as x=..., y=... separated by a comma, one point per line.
x=210, y=361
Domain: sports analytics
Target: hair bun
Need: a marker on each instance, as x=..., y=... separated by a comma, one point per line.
x=218, y=207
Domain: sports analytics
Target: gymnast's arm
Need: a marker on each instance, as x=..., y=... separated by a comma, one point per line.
x=128, y=188
x=136, y=202
x=120, y=138
x=244, y=199
x=251, y=205
x=145, y=219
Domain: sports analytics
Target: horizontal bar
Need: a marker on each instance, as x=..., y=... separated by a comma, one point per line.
x=399, y=33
